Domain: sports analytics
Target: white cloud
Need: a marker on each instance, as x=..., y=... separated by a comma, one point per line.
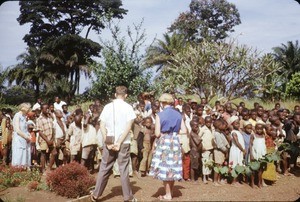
x=268, y=23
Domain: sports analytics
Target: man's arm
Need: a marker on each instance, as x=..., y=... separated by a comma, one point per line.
x=123, y=136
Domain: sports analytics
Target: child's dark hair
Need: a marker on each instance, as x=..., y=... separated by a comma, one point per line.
x=245, y=110
x=78, y=112
x=148, y=118
x=217, y=123
x=194, y=122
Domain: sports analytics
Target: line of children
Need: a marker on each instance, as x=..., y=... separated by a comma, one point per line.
x=216, y=136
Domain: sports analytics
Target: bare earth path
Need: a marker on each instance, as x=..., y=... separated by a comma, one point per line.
x=287, y=188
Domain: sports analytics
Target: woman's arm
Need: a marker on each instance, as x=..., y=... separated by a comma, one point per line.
x=18, y=130
x=157, y=126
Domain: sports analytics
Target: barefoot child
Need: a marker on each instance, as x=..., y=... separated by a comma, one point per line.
x=207, y=136
x=221, y=150
x=148, y=134
x=247, y=136
x=258, y=150
x=270, y=173
x=196, y=147
x=237, y=150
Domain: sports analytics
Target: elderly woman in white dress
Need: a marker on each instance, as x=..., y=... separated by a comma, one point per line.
x=21, y=138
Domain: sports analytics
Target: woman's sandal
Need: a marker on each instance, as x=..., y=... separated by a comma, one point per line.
x=92, y=197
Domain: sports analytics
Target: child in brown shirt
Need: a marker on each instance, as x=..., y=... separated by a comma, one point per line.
x=196, y=146
x=148, y=132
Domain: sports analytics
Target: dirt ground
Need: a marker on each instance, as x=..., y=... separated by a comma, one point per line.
x=287, y=188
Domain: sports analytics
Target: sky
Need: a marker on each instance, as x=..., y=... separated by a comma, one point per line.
x=265, y=24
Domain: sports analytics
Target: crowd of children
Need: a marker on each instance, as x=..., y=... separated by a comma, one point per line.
x=223, y=134
x=227, y=134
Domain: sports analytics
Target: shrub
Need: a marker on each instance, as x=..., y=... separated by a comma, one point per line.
x=71, y=180
x=14, y=176
x=33, y=185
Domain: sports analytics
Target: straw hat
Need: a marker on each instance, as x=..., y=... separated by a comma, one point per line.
x=166, y=97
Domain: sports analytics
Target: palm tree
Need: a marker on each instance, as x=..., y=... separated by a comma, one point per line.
x=69, y=56
x=30, y=72
x=289, y=56
x=160, y=54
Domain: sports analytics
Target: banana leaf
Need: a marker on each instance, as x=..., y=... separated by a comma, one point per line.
x=248, y=171
x=224, y=170
x=233, y=173
x=217, y=169
x=239, y=169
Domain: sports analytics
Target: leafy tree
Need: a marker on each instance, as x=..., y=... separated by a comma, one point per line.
x=122, y=64
x=3, y=78
x=52, y=19
x=161, y=52
x=207, y=19
x=56, y=32
x=30, y=72
x=289, y=56
x=269, y=84
x=15, y=95
x=293, y=86
x=213, y=68
x=69, y=56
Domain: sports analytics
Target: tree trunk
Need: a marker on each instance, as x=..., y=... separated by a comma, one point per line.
x=37, y=91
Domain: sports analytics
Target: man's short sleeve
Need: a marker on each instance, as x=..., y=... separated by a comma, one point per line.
x=104, y=114
x=131, y=114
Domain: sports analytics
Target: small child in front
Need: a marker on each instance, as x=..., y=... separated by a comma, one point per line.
x=258, y=150
x=148, y=135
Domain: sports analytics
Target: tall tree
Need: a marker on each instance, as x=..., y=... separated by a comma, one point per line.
x=31, y=72
x=58, y=32
x=293, y=86
x=213, y=69
x=289, y=56
x=69, y=56
x=52, y=19
x=269, y=83
x=161, y=52
x=122, y=64
x=207, y=19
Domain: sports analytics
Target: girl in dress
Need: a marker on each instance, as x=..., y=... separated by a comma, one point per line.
x=247, y=136
x=270, y=173
x=221, y=150
x=258, y=150
x=166, y=163
x=237, y=150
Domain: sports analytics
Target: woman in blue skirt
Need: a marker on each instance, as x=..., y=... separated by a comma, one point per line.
x=166, y=163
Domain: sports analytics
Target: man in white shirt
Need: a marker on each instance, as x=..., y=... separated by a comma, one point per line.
x=115, y=121
x=60, y=130
x=58, y=104
x=37, y=105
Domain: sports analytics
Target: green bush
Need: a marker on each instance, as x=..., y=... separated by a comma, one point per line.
x=15, y=176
